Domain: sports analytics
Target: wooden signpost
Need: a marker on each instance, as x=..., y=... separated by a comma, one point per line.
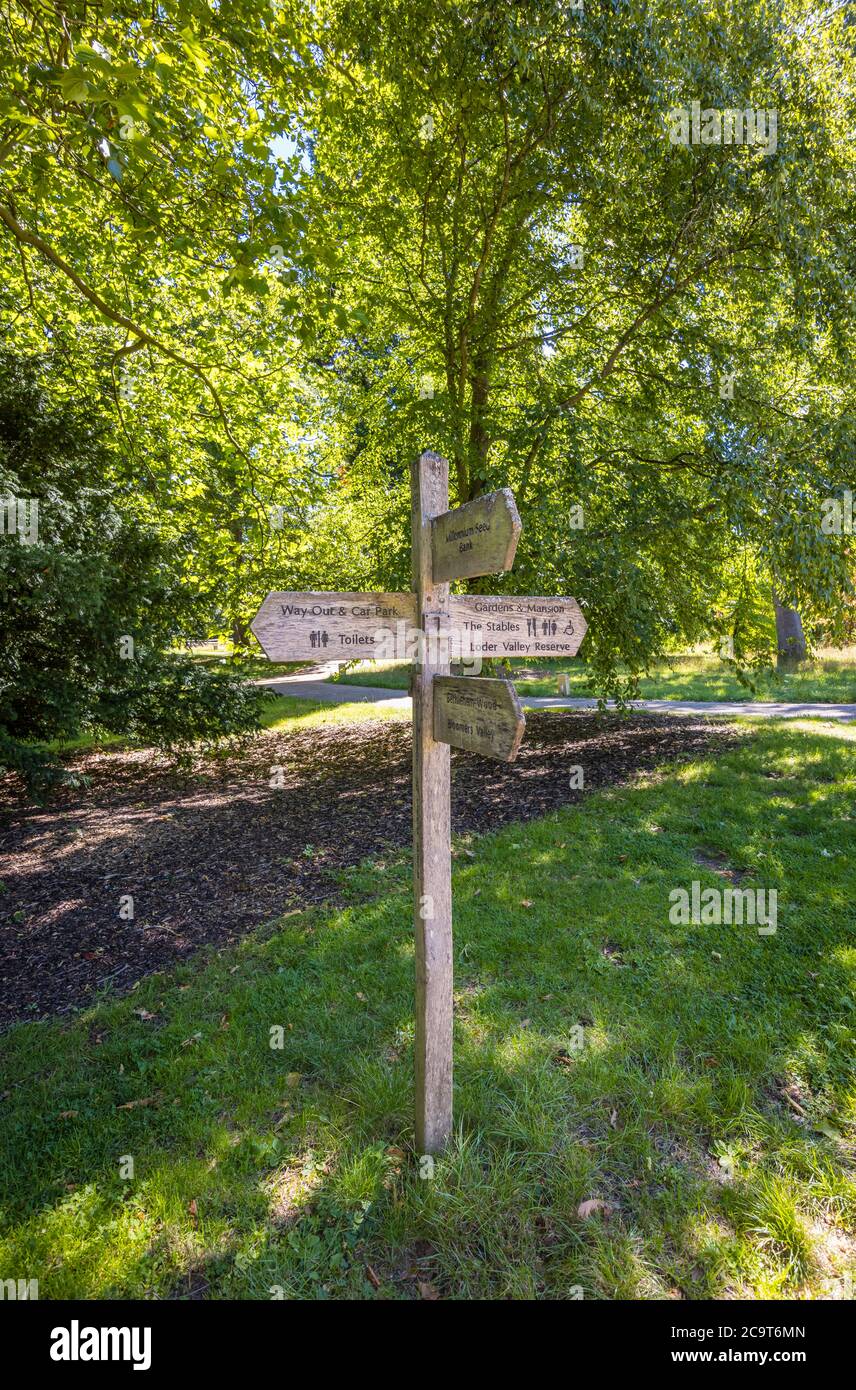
x=506, y=627
x=478, y=538
x=294, y=627
x=483, y=716
x=470, y=712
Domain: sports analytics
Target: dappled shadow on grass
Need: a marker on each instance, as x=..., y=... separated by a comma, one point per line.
x=206, y=857
x=258, y=1168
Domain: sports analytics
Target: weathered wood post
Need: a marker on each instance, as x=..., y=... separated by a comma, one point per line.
x=483, y=716
x=432, y=861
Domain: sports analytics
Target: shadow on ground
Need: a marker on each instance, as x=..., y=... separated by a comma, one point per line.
x=206, y=858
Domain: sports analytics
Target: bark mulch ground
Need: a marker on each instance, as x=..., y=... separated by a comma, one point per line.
x=208, y=857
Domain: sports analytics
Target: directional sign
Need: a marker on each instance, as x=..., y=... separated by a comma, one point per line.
x=478, y=538
x=479, y=714
x=505, y=627
x=337, y=627
x=469, y=712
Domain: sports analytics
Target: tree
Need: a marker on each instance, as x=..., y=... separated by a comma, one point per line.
x=650, y=333
x=295, y=249
x=152, y=242
x=790, y=638
x=89, y=598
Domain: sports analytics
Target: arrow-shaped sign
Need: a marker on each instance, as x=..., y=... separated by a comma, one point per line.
x=478, y=538
x=480, y=714
x=337, y=627
x=494, y=625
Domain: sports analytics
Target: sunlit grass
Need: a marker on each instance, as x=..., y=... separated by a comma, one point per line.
x=710, y=1106
x=286, y=713
x=282, y=712
x=694, y=676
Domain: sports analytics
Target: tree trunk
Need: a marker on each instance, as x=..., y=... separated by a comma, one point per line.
x=790, y=641
x=240, y=631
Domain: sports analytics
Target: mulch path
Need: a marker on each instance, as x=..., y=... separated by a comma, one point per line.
x=210, y=856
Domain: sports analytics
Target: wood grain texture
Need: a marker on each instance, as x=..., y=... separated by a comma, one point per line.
x=480, y=714
x=432, y=864
x=337, y=627
x=511, y=626
x=478, y=538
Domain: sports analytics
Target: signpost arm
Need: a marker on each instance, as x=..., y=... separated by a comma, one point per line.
x=432, y=864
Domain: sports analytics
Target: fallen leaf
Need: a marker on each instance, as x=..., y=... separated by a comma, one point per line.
x=67, y=1114
x=293, y=1079
x=526, y=902
x=134, y=1104
x=591, y=1205
x=372, y=1277
x=429, y=1292
x=144, y=1014
x=193, y=1211
x=829, y=1130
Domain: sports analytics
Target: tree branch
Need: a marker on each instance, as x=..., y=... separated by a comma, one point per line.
x=26, y=238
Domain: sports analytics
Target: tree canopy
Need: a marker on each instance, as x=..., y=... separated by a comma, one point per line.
x=287, y=248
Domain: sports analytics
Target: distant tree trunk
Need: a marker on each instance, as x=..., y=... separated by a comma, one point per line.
x=240, y=630
x=790, y=640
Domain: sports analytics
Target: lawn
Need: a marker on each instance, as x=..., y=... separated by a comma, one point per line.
x=280, y=712
x=253, y=665
x=285, y=712
x=694, y=676
x=697, y=1082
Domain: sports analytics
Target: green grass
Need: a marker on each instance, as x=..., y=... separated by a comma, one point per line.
x=283, y=712
x=685, y=677
x=259, y=1169
x=286, y=713
x=249, y=666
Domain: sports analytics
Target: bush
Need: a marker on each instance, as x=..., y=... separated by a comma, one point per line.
x=89, y=599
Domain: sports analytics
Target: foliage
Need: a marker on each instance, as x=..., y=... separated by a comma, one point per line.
x=466, y=156
x=686, y=676
x=294, y=248
x=89, y=598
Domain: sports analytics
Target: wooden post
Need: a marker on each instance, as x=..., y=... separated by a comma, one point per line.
x=432, y=862
x=482, y=715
